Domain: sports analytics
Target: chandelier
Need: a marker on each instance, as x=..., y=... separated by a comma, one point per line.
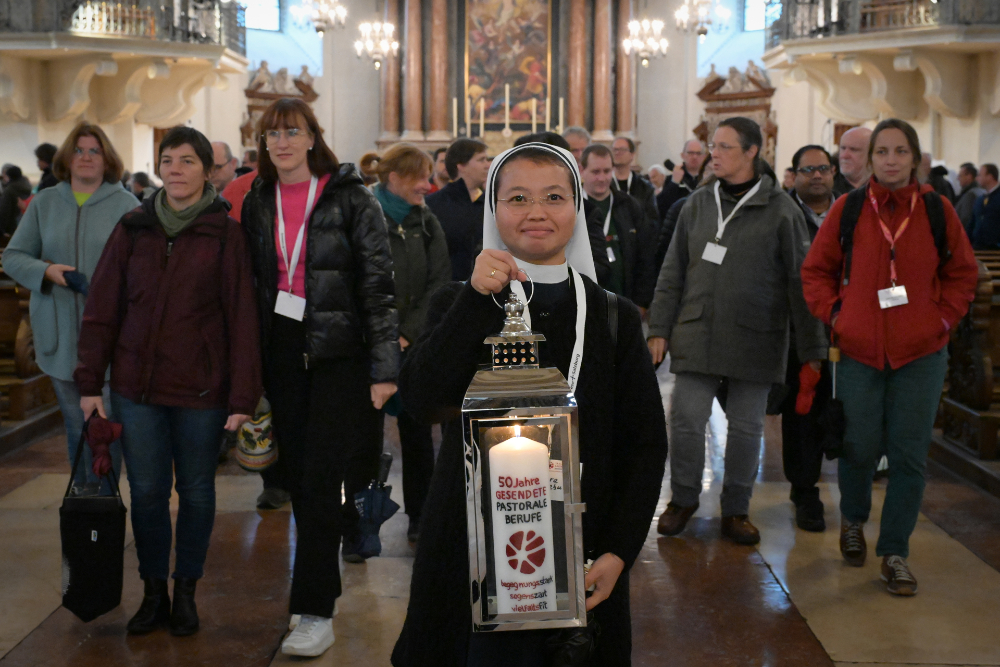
x=377, y=42
x=645, y=40
x=323, y=14
x=696, y=16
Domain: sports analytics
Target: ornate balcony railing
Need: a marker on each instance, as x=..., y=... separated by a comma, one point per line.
x=804, y=19
x=196, y=21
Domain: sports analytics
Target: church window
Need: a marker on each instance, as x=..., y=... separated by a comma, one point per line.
x=760, y=14
x=263, y=14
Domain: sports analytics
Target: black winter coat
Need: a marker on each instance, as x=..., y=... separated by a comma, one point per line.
x=671, y=192
x=667, y=228
x=350, y=302
x=638, y=243
x=462, y=222
x=623, y=448
x=643, y=192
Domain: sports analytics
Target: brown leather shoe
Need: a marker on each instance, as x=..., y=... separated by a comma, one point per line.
x=853, y=547
x=740, y=530
x=674, y=519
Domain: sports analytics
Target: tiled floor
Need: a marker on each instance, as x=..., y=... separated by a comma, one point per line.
x=696, y=600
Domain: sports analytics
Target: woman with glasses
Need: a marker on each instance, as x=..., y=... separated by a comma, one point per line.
x=420, y=255
x=330, y=344
x=534, y=226
x=54, y=253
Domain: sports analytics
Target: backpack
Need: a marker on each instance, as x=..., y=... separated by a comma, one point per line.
x=852, y=211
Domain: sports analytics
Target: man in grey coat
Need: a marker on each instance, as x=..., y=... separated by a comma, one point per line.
x=728, y=286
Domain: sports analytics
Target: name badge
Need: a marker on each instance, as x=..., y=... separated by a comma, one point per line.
x=714, y=253
x=892, y=297
x=290, y=306
x=611, y=255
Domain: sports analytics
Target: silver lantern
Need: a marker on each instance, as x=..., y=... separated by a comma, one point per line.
x=523, y=497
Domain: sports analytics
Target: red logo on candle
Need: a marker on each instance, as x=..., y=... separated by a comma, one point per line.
x=525, y=553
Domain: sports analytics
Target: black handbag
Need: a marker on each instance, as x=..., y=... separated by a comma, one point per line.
x=572, y=647
x=92, y=529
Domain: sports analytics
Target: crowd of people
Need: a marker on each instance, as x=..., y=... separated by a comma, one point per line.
x=344, y=292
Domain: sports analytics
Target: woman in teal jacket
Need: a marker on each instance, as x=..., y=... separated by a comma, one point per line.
x=64, y=230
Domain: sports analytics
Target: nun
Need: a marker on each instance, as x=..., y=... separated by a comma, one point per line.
x=534, y=228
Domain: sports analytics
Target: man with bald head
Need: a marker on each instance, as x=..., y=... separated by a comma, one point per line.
x=684, y=179
x=224, y=170
x=853, y=170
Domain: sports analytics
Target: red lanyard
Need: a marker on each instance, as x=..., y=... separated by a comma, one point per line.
x=889, y=237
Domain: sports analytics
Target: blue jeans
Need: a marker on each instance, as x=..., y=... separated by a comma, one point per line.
x=69, y=404
x=901, y=403
x=159, y=441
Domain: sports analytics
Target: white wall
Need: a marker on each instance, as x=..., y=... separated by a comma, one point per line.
x=799, y=120
x=220, y=110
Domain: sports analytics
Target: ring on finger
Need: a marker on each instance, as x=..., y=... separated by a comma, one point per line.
x=493, y=273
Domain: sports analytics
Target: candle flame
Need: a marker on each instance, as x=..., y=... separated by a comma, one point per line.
x=517, y=430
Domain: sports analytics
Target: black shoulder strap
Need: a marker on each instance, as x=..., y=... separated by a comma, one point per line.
x=848, y=221
x=939, y=226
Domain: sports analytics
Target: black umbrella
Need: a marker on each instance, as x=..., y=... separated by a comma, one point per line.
x=832, y=419
x=375, y=507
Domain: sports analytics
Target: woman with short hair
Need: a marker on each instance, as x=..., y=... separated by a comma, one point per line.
x=63, y=231
x=330, y=344
x=891, y=318
x=420, y=255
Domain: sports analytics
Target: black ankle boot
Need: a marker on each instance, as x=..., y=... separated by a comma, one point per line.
x=184, y=615
x=154, y=611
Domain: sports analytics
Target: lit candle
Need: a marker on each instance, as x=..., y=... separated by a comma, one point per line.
x=468, y=116
x=482, y=117
x=548, y=113
x=522, y=526
x=534, y=112
x=454, y=117
x=560, y=130
x=506, y=106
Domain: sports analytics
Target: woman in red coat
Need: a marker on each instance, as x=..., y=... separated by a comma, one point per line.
x=892, y=321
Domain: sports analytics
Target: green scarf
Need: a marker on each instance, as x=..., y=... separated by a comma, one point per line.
x=174, y=222
x=393, y=205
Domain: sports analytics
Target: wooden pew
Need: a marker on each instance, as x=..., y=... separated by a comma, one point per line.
x=24, y=390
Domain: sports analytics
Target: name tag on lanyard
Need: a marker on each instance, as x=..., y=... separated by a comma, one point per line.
x=894, y=296
x=891, y=297
x=715, y=252
x=288, y=304
x=607, y=228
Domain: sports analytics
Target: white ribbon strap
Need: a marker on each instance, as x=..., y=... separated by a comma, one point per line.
x=290, y=266
x=718, y=204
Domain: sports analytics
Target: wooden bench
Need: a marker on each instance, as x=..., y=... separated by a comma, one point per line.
x=24, y=390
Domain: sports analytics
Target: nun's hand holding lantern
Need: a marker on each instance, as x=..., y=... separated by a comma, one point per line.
x=523, y=488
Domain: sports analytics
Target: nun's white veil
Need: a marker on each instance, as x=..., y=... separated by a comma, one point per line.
x=578, y=251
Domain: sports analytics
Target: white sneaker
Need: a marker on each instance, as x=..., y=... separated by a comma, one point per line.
x=311, y=637
x=297, y=617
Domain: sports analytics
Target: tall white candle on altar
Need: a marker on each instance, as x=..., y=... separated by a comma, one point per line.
x=454, y=117
x=506, y=106
x=522, y=526
x=534, y=112
x=561, y=128
x=468, y=116
x=548, y=113
x=482, y=117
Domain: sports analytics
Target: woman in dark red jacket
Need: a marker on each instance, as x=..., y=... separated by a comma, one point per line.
x=172, y=310
x=891, y=322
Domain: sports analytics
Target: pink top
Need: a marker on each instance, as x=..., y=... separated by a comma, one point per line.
x=293, y=205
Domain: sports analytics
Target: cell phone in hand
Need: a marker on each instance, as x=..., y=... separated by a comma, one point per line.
x=77, y=282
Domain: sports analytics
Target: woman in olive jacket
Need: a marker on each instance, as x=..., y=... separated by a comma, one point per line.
x=420, y=255
x=330, y=344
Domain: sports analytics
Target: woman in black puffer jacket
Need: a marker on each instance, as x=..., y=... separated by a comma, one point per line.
x=330, y=345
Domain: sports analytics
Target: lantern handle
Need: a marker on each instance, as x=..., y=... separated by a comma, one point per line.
x=530, y=296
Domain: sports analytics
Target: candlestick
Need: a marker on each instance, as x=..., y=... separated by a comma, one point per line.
x=482, y=117
x=522, y=526
x=454, y=117
x=560, y=130
x=534, y=111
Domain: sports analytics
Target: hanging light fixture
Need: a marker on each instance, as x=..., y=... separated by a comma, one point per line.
x=645, y=40
x=697, y=16
x=377, y=42
x=322, y=14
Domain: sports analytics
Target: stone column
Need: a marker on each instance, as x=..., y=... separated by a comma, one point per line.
x=390, y=85
x=413, y=82
x=440, y=103
x=624, y=73
x=576, y=112
x=602, y=71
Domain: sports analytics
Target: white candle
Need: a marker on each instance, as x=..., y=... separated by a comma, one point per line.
x=482, y=117
x=534, y=112
x=560, y=130
x=454, y=117
x=468, y=116
x=548, y=113
x=522, y=526
x=506, y=106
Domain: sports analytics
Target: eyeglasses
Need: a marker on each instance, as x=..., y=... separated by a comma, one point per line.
x=721, y=147
x=92, y=152
x=522, y=203
x=621, y=149
x=809, y=171
x=217, y=167
x=292, y=134
x=699, y=153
